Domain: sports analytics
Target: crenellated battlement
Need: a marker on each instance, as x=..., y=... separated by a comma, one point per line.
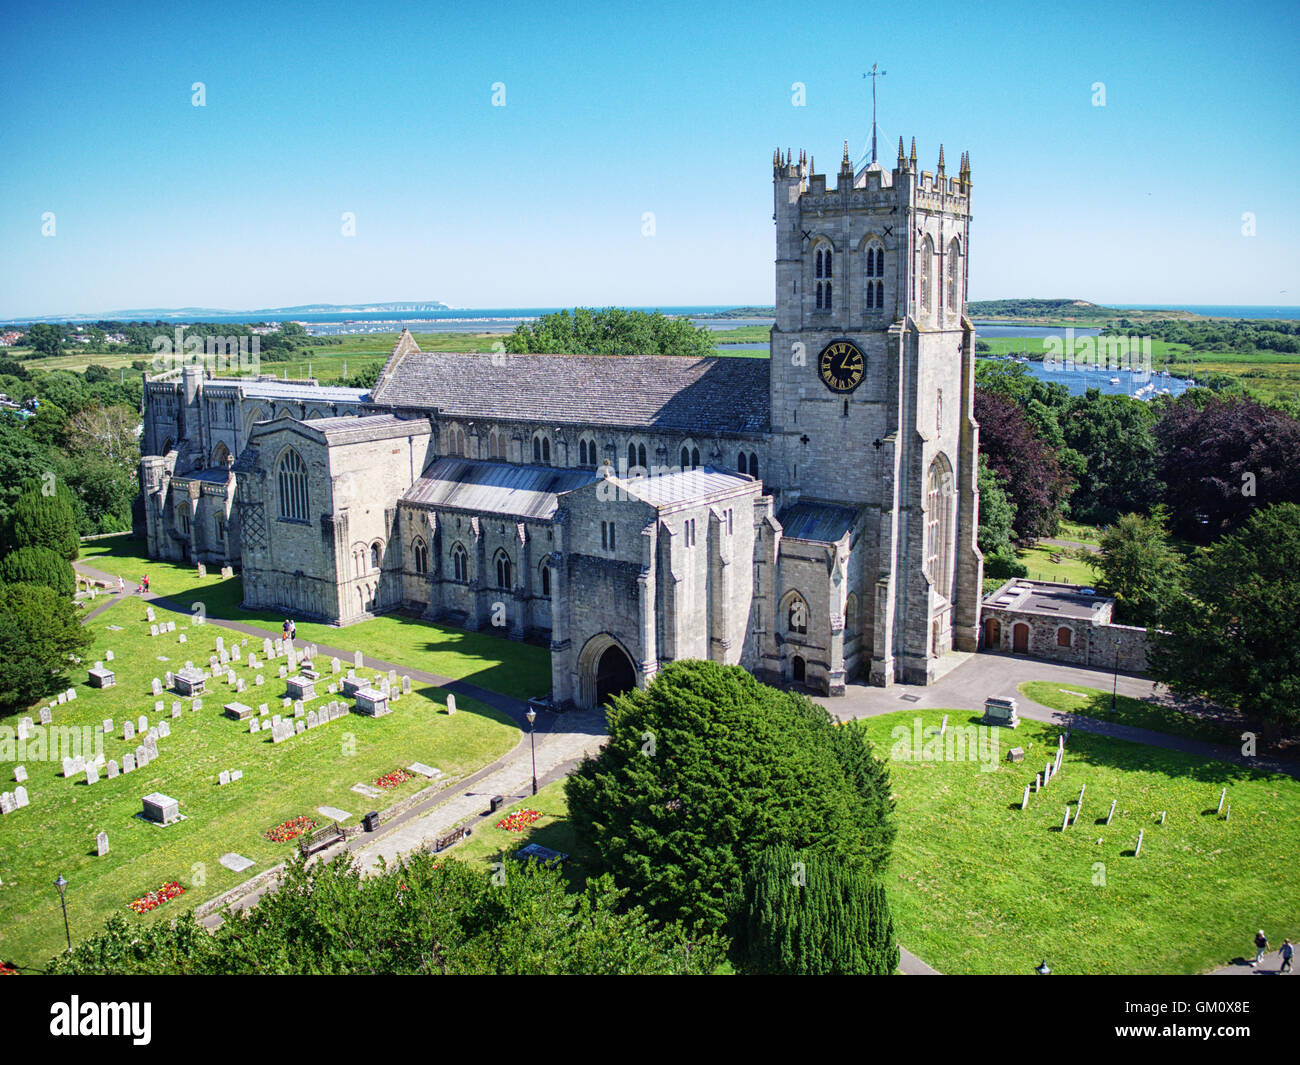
x=873, y=185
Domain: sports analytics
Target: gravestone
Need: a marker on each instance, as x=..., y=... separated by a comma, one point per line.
x=24, y=728
x=297, y=708
x=171, y=626
x=227, y=572
x=236, y=774
x=451, y=703
x=197, y=704
x=335, y=665
x=108, y=726
x=72, y=695
x=142, y=725
x=1138, y=849
x=1000, y=711
x=1112, y=811
x=20, y=774
x=153, y=630
x=113, y=769
x=1066, y=823
x=333, y=689
x=46, y=716
x=128, y=762
x=236, y=863
x=1222, y=795
x=230, y=676
x=221, y=645
x=263, y=709
x=286, y=702
x=20, y=797
x=164, y=729
x=141, y=756
x=168, y=679
x=100, y=678
x=223, y=778
x=7, y=803
x=148, y=614
x=1082, y=789
x=254, y=724
x=108, y=656
x=357, y=659
x=128, y=731
x=160, y=809
x=371, y=701
x=266, y=647
x=101, y=844
x=284, y=672
x=238, y=711
x=1016, y=754
x=260, y=680
x=240, y=685
x=280, y=731
x=203, y=570
x=299, y=726
x=157, y=686
x=1024, y=801
x=312, y=719
x=92, y=774
x=181, y=638
x=236, y=653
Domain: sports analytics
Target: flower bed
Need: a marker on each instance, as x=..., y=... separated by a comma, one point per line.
x=519, y=820
x=290, y=829
x=393, y=779
x=153, y=899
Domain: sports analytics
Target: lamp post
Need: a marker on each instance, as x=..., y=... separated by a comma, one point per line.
x=532, y=744
x=61, y=884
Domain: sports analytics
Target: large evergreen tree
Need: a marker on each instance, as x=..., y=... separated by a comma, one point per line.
x=45, y=519
x=807, y=915
x=1233, y=636
x=707, y=767
x=38, y=565
x=39, y=630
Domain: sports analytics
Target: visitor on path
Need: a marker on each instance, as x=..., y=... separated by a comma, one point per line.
x=139, y=588
x=145, y=579
x=1287, y=951
x=284, y=630
x=1261, y=947
x=121, y=586
x=293, y=630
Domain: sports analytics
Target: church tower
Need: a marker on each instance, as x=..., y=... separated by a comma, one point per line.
x=872, y=390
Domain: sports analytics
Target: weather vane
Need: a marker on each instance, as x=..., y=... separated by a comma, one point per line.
x=873, y=75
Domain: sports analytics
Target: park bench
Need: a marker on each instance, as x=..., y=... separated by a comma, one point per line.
x=321, y=838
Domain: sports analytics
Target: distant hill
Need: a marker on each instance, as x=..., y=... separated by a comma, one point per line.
x=1060, y=310
x=198, y=314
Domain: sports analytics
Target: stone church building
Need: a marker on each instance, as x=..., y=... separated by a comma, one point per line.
x=811, y=516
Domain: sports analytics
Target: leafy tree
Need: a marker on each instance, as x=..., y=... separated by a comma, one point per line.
x=612, y=331
x=39, y=630
x=50, y=425
x=107, y=432
x=45, y=520
x=996, y=527
x=426, y=915
x=704, y=769
x=363, y=378
x=94, y=373
x=38, y=565
x=1031, y=472
x=1223, y=459
x=1233, y=636
x=45, y=339
x=22, y=460
x=1139, y=567
x=810, y=916
x=1115, y=436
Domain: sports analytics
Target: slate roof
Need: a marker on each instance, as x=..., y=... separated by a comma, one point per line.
x=821, y=522
x=293, y=390
x=496, y=487
x=713, y=395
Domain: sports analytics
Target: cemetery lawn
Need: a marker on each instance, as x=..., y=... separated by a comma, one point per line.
x=979, y=886
x=490, y=844
x=1067, y=568
x=507, y=666
x=1090, y=702
x=55, y=834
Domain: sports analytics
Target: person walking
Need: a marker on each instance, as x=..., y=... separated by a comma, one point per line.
x=1287, y=951
x=145, y=578
x=284, y=630
x=293, y=630
x=1261, y=947
x=121, y=586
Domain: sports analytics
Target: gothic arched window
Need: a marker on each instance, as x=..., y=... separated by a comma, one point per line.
x=421, y=555
x=797, y=615
x=496, y=445
x=503, y=570
x=636, y=456
x=741, y=465
x=546, y=579
x=925, y=269
x=753, y=464
x=938, y=526
x=954, y=276
x=459, y=562
x=376, y=555
x=292, y=482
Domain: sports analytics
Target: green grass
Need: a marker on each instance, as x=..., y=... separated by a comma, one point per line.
x=1066, y=568
x=498, y=664
x=1091, y=702
x=1079, y=533
x=55, y=834
x=978, y=886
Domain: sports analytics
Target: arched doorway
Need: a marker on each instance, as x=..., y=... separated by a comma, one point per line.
x=798, y=669
x=1020, y=638
x=992, y=634
x=614, y=674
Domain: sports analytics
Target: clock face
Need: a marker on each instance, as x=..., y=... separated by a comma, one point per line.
x=841, y=365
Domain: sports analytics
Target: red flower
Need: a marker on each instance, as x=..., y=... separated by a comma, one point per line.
x=291, y=829
x=393, y=779
x=519, y=820
x=153, y=899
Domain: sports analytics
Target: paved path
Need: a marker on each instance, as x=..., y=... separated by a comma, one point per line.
x=1270, y=966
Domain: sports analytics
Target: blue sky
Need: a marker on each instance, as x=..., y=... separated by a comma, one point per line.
x=612, y=111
